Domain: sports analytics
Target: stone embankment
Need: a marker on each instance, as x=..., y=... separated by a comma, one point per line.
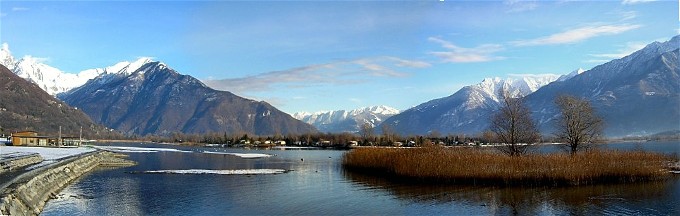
x=10, y=162
x=28, y=193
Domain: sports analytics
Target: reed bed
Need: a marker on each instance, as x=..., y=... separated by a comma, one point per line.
x=476, y=166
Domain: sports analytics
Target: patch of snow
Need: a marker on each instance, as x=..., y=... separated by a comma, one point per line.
x=46, y=153
x=241, y=155
x=219, y=172
x=49, y=155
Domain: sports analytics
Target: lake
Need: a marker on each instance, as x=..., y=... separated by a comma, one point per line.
x=316, y=184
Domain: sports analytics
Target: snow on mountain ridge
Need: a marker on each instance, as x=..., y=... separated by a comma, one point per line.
x=55, y=81
x=492, y=88
x=346, y=121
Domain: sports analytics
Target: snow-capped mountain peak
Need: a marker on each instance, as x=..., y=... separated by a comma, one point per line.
x=346, y=121
x=466, y=110
x=493, y=88
x=55, y=81
x=123, y=68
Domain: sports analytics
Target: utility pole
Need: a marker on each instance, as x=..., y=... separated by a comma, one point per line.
x=80, y=142
x=59, y=140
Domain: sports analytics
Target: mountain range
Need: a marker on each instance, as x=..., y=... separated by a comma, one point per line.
x=146, y=97
x=467, y=110
x=54, y=81
x=155, y=99
x=636, y=95
x=25, y=106
x=347, y=121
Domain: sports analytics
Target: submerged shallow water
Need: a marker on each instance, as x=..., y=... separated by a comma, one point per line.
x=315, y=184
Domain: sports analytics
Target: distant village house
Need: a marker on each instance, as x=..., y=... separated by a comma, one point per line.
x=31, y=138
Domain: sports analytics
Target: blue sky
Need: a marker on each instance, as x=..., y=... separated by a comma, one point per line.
x=328, y=55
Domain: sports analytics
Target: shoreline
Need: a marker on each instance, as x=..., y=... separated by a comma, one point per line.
x=28, y=193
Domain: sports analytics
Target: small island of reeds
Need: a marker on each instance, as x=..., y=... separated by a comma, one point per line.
x=481, y=166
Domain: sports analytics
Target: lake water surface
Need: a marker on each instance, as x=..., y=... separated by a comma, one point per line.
x=317, y=185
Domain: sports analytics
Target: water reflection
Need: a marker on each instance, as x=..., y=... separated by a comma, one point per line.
x=108, y=194
x=637, y=198
x=319, y=186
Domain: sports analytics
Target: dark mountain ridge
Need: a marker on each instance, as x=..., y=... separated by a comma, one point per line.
x=25, y=106
x=157, y=100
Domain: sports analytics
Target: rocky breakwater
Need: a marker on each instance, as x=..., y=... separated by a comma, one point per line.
x=14, y=161
x=28, y=193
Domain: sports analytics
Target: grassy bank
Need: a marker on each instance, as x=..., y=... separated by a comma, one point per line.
x=475, y=166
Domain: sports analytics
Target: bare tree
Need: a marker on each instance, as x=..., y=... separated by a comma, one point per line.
x=513, y=126
x=366, y=132
x=388, y=134
x=578, y=126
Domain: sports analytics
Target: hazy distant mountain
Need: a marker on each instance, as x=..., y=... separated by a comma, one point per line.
x=155, y=99
x=467, y=110
x=347, y=121
x=53, y=80
x=24, y=106
x=637, y=95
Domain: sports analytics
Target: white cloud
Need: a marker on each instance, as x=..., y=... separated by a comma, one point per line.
x=15, y=9
x=516, y=6
x=456, y=54
x=333, y=73
x=630, y=2
x=36, y=59
x=577, y=35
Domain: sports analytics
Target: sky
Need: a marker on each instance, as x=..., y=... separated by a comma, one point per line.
x=331, y=55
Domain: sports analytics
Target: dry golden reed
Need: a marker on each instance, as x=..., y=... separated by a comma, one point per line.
x=483, y=166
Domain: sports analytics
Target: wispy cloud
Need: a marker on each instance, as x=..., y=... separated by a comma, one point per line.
x=627, y=15
x=334, y=73
x=577, y=35
x=36, y=59
x=456, y=54
x=410, y=63
x=630, y=2
x=15, y=9
x=516, y=6
x=629, y=48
